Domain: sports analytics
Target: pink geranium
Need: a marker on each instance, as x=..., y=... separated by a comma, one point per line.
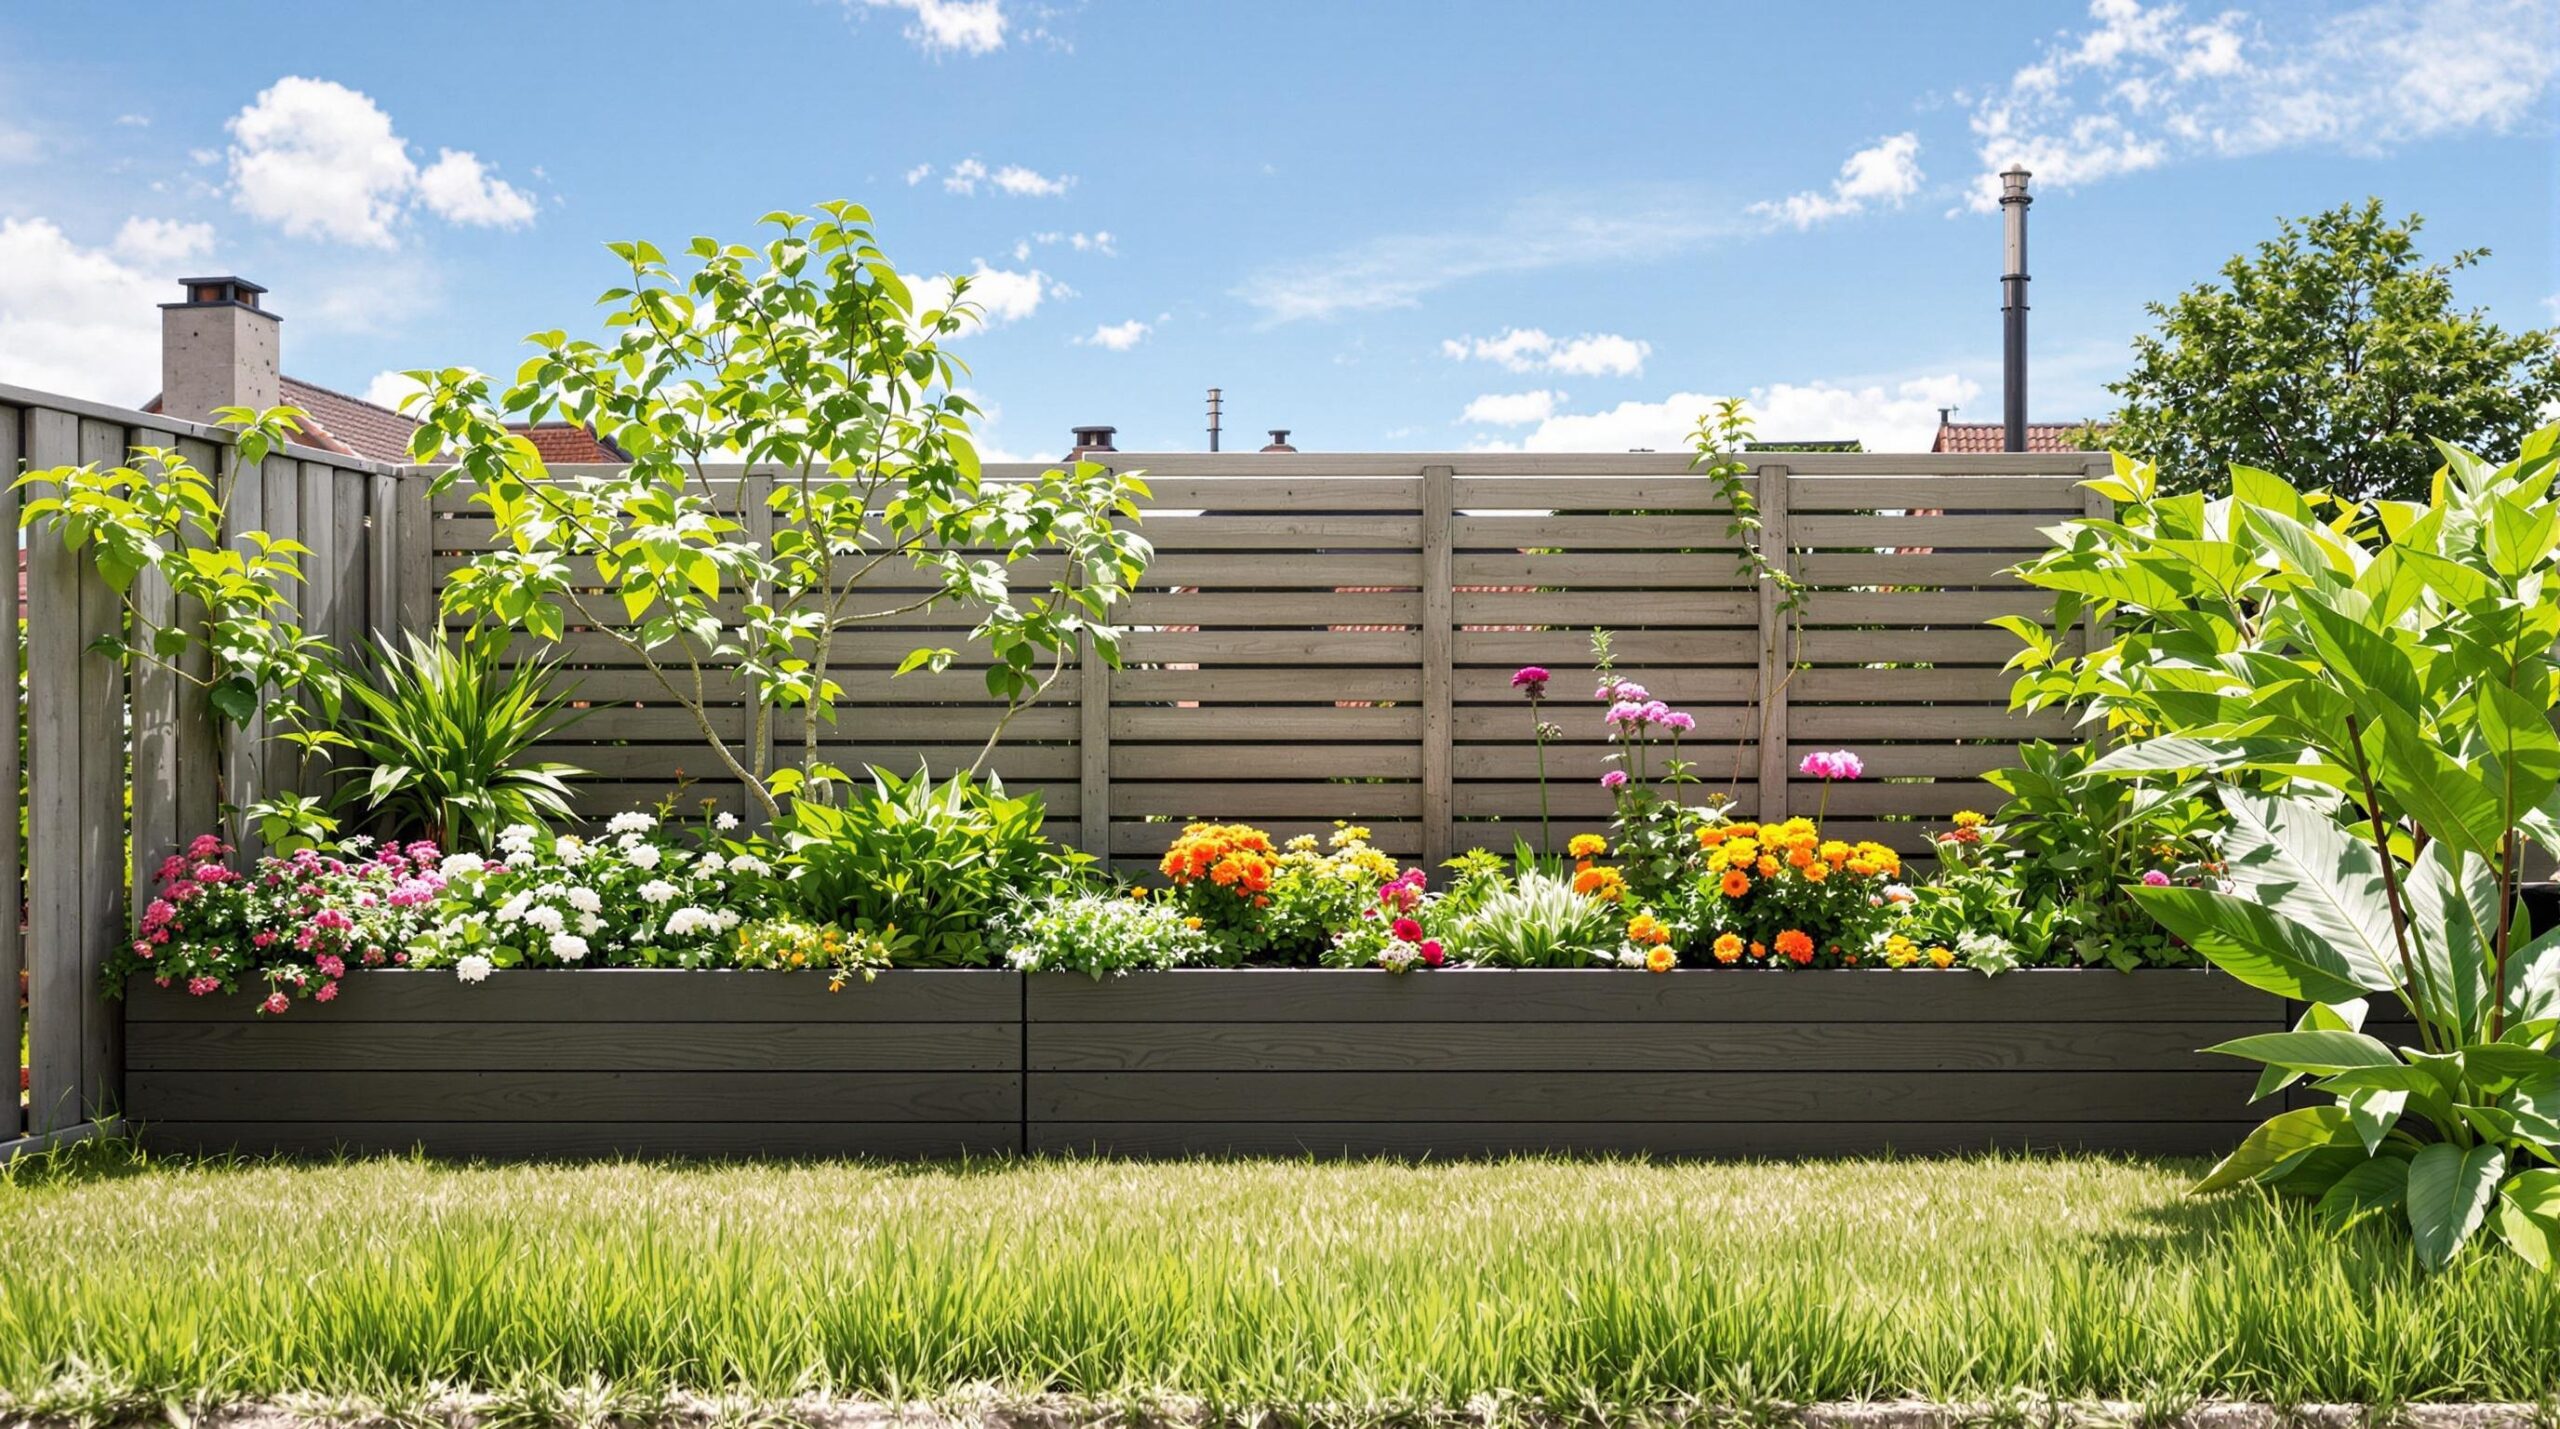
x=1614, y=779
x=1832, y=764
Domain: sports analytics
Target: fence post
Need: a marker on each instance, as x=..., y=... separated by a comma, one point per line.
x=2095, y=507
x=415, y=529
x=1777, y=652
x=1093, y=749
x=12, y=949
x=198, y=786
x=1439, y=666
x=382, y=557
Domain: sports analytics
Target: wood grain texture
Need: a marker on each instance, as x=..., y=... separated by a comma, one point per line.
x=1717, y=1140
x=522, y=1140
x=337, y=1094
x=623, y=995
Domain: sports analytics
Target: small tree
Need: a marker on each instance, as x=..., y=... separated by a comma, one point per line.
x=2336, y=354
x=810, y=360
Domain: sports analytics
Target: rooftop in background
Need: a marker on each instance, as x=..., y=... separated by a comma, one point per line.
x=1988, y=436
x=340, y=423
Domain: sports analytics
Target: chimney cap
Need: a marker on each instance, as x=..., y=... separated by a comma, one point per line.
x=1279, y=440
x=2013, y=184
x=220, y=290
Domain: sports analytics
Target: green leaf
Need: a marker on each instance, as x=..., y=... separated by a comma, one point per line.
x=2373, y=1113
x=2449, y=1194
x=2454, y=803
x=2319, y=1052
x=2259, y=946
x=2379, y=1185
x=2174, y=753
x=234, y=698
x=2529, y=1217
x=2276, y=1141
x=2293, y=857
x=2535, y=1104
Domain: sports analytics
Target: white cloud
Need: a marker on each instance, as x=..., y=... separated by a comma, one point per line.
x=85, y=322
x=973, y=27
x=1512, y=409
x=390, y=389
x=1901, y=417
x=2146, y=85
x=458, y=188
x=965, y=177
x=1118, y=337
x=1398, y=270
x=1885, y=172
x=161, y=242
x=1002, y=295
x=320, y=160
x=1529, y=349
x=919, y=174
x=1100, y=241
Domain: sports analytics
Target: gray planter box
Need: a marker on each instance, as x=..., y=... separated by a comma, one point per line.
x=1701, y=1063
x=601, y=1063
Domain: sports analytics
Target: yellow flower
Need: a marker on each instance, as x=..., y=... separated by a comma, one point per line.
x=1192, y=923
x=1587, y=846
x=1768, y=866
x=1646, y=928
x=1605, y=884
x=1728, y=947
x=1940, y=957
x=1900, y=951
x=1968, y=819
x=1742, y=850
x=1661, y=960
x=1817, y=873
x=1834, y=852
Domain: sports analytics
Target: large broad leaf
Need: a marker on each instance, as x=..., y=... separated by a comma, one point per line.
x=2373, y=1113
x=2259, y=946
x=2375, y=673
x=2320, y=1052
x=2276, y=1141
x=2533, y=979
x=2535, y=1106
x=2174, y=753
x=2293, y=857
x=2450, y=1189
x=2524, y=762
x=2317, y=1017
x=2420, y=779
x=2453, y=925
x=2381, y=1184
x=2529, y=1217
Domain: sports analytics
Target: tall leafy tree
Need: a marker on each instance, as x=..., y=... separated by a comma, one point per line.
x=2335, y=353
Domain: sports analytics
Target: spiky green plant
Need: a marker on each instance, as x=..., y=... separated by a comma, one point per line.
x=1537, y=922
x=446, y=729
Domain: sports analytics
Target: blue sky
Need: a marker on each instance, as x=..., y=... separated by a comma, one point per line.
x=1383, y=225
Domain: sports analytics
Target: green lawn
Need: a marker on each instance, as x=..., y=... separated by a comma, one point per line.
x=1348, y=1285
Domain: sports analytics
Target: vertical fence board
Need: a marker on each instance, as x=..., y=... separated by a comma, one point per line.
x=382, y=559
x=100, y=808
x=53, y=792
x=323, y=592
x=253, y=489
x=1439, y=665
x=1093, y=750
x=12, y=890
x=198, y=750
x=416, y=557
x=351, y=495
x=1777, y=648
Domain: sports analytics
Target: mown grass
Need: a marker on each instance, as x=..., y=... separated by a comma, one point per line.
x=1545, y=1282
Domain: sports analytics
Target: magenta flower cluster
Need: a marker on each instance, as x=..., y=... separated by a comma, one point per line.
x=1531, y=680
x=1829, y=764
x=208, y=927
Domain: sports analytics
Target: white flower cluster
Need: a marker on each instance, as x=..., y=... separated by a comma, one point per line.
x=634, y=896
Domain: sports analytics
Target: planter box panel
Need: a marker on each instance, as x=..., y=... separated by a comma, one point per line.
x=528, y=1140
x=623, y=995
x=583, y=1096
x=1653, y=1045
x=289, y=1043
x=1606, y=995
x=1806, y=1095
x=1675, y=1139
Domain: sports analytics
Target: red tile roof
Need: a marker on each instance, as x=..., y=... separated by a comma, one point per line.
x=340, y=423
x=564, y=442
x=1989, y=436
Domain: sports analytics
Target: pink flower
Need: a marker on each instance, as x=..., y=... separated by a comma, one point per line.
x=1832, y=764
x=1532, y=678
x=1679, y=721
x=328, y=993
x=1407, y=931
x=1614, y=779
x=1433, y=955
x=1628, y=713
x=203, y=986
x=330, y=965
x=2154, y=878
x=276, y=1002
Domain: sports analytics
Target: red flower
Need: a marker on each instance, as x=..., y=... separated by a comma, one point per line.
x=1408, y=931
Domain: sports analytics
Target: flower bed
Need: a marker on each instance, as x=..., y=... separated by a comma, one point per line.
x=1283, y=1061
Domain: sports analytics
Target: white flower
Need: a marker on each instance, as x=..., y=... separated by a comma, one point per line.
x=457, y=864
x=1631, y=957
x=570, y=850
x=657, y=890
x=644, y=857
x=1398, y=956
x=634, y=822
x=712, y=863
x=545, y=917
x=568, y=946
x=590, y=924
x=472, y=967
x=514, y=908
x=586, y=900
x=358, y=844
x=729, y=918
x=521, y=858
x=749, y=863
x=725, y=822
x=689, y=920
x=518, y=838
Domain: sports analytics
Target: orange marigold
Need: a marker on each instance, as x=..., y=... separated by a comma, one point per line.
x=1735, y=884
x=1587, y=846
x=1714, y=834
x=1728, y=947
x=1646, y=928
x=1606, y=884
x=1661, y=960
x=1768, y=866
x=1800, y=857
x=1796, y=945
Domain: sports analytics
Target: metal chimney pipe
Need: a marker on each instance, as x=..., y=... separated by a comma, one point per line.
x=1213, y=418
x=2013, y=310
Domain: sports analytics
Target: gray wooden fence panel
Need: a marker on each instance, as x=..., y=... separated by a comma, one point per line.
x=99, y=809
x=12, y=883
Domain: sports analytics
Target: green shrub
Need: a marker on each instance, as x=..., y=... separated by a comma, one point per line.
x=1097, y=933
x=445, y=731
x=923, y=867
x=1538, y=921
x=2372, y=686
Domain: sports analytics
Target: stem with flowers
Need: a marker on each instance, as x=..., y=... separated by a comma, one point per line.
x=1532, y=681
x=1829, y=765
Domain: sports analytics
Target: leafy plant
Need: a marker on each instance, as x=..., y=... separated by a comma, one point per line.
x=814, y=359
x=1103, y=933
x=2074, y=840
x=924, y=867
x=229, y=595
x=1538, y=921
x=2373, y=685
x=445, y=730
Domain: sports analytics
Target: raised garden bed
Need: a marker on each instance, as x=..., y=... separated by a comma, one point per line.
x=1254, y=1061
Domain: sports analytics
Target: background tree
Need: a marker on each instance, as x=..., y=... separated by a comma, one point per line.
x=2335, y=353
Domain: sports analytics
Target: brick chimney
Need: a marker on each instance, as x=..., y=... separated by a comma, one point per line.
x=1092, y=441
x=217, y=349
x=1279, y=441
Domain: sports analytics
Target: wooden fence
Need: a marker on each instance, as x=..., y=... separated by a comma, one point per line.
x=1329, y=637
x=80, y=857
